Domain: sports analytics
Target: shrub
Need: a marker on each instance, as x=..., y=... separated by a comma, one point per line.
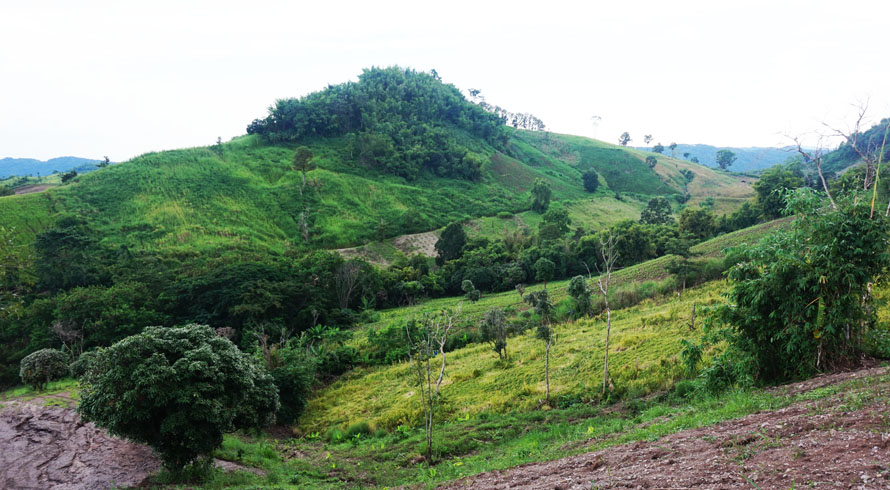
x=82, y=364
x=39, y=368
x=294, y=373
x=362, y=428
x=177, y=390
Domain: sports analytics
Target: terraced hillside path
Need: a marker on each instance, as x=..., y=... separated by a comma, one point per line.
x=828, y=443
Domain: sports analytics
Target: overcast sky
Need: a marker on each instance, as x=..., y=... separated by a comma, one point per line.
x=113, y=78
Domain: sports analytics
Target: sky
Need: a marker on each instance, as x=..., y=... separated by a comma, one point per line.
x=120, y=79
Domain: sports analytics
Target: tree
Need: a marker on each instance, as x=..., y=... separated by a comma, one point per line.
x=658, y=148
x=771, y=187
x=651, y=161
x=176, y=390
x=451, y=243
x=555, y=223
x=347, y=279
x=672, y=146
x=801, y=299
x=609, y=255
x=39, y=368
x=470, y=290
x=545, y=269
x=580, y=293
x=425, y=342
x=686, y=155
x=540, y=301
x=591, y=181
x=694, y=160
x=293, y=368
x=541, y=194
x=624, y=139
x=647, y=139
x=699, y=223
x=493, y=329
x=302, y=163
x=725, y=158
x=66, y=177
x=657, y=212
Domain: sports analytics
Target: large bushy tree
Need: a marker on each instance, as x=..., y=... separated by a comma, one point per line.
x=451, y=243
x=177, y=390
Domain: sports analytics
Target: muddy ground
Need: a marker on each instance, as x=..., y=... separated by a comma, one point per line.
x=827, y=443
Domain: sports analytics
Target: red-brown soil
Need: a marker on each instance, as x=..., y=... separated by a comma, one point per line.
x=827, y=443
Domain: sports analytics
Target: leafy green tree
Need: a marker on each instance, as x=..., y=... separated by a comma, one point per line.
x=177, y=390
x=451, y=243
x=540, y=301
x=658, y=148
x=302, y=163
x=493, y=329
x=672, y=146
x=67, y=255
x=694, y=160
x=698, y=223
x=541, y=194
x=624, y=139
x=293, y=368
x=555, y=223
x=579, y=290
x=591, y=181
x=647, y=139
x=657, y=212
x=800, y=299
x=545, y=269
x=41, y=367
x=771, y=188
x=651, y=161
x=725, y=158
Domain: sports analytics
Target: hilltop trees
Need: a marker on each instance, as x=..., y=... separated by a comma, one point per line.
x=725, y=158
x=658, y=148
x=624, y=139
x=398, y=121
x=177, y=390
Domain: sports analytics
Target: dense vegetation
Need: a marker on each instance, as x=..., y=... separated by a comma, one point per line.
x=399, y=121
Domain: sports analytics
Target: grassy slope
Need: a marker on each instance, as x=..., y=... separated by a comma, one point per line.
x=645, y=344
x=245, y=196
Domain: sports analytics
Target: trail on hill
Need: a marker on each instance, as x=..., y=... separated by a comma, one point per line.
x=824, y=444
x=30, y=189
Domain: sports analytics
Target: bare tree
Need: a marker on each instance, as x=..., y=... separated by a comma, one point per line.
x=428, y=338
x=815, y=157
x=603, y=281
x=346, y=281
x=71, y=336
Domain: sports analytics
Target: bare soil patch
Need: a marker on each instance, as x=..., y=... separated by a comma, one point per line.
x=28, y=189
x=820, y=444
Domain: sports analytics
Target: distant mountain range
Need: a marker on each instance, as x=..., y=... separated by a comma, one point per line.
x=747, y=159
x=29, y=166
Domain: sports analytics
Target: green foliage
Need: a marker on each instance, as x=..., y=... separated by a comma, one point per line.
x=470, y=290
x=725, y=158
x=624, y=139
x=40, y=367
x=658, y=148
x=541, y=194
x=651, y=161
x=771, y=189
x=494, y=329
x=545, y=269
x=399, y=121
x=555, y=223
x=657, y=212
x=177, y=390
x=801, y=298
x=591, y=181
x=689, y=175
x=698, y=223
x=293, y=369
x=579, y=290
x=451, y=244
x=83, y=363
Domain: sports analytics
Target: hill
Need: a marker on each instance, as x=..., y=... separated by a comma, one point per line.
x=30, y=167
x=363, y=183
x=844, y=157
x=749, y=159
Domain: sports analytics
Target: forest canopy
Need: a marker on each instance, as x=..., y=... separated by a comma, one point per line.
x=397, y=120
